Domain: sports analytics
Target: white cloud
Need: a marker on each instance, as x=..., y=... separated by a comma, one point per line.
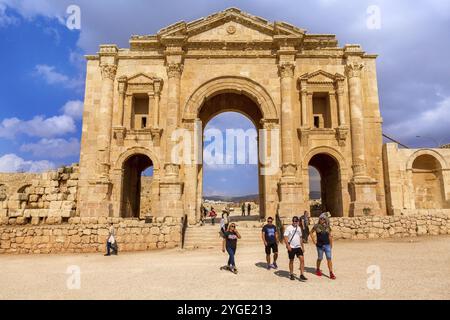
x=6, y=20
x=74, y=109
x=39, y=126
x=53, y=148
x=13, y=163
x=52, y=77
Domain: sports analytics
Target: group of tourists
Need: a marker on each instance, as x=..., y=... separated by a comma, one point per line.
x=248, y=206
x=294, y=237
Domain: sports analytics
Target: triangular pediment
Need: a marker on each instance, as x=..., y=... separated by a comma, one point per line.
x=230, y=25
x=140, y=78
x=321, y=76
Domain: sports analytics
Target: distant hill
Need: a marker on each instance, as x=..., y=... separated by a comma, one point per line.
x=237, y=199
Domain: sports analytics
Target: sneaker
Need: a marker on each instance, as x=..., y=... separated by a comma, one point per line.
x=303, y=278
x=235, y=270
x=318, y=273
x=332, y=276
x=274, y=265
x=292, y=277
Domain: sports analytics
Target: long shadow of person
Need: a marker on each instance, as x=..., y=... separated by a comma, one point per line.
x=262, y=265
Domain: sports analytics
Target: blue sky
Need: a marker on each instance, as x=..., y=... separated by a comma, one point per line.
x=42, y=66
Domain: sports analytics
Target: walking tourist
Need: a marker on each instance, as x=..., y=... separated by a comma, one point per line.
x=230, y=244
x=295, y=247
x=111, y=242
x=324, y=243
x=249, y=207
x=270, y=239
x=213, y=216
x=243, y=208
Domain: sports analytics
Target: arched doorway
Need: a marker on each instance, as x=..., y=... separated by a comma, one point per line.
x=328, y=171
x=231, y=102
x=428, y=183
x=137, y=172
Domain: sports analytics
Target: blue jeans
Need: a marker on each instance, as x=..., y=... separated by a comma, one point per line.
x=231, y=253
x=324, y=248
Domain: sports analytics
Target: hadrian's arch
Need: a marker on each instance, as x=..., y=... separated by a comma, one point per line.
x=240, y=95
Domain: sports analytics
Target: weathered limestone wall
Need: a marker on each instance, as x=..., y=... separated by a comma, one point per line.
x=28, y=197
x=88, y=235
x=416, y=180
x=374, y=227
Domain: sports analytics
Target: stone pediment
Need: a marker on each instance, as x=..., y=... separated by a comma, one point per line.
x=321, y=77
x=140, y=78
x=230, y=25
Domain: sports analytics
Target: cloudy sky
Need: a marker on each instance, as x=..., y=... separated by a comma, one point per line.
x=42, y=67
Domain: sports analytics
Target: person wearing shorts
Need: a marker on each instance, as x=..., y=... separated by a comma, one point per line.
x=269, y=236
x=295, y=247
x=324, y=244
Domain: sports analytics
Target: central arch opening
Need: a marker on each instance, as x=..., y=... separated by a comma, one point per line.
x=136, y=186
x=230, y=171
x=325, y=181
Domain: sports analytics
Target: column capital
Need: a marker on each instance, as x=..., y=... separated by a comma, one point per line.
x=157, y=84
x=174, y=70
x=286, y=69
x=353, y=69
x=108, y=71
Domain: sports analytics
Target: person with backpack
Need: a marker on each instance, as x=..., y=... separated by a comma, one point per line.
x=270, y=239
x=229, y=245
x=324, y=243
x=295, y=247
x=111, y=242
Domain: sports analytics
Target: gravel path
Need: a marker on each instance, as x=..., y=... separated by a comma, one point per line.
x=416, y=268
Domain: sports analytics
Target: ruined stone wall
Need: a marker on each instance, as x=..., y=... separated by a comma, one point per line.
x=88, y=235
x=34, y=197
x=374, y=227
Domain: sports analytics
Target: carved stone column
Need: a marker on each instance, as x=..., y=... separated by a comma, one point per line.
x=289, y=187
x=356, y=118
x=363, y=191
x=105, y=117
x=119, y=130
x=288, y=166
x=157, y=90
x=174, y=71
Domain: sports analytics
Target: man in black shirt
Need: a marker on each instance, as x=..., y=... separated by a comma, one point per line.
x=270, y=239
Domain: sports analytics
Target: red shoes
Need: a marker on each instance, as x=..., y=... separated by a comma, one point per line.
x=332, y=276
x=318, y=273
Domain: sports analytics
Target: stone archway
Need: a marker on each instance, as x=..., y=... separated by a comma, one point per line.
x=428, y=182
x=131, y=191
x=236, y=94
x=333, y=178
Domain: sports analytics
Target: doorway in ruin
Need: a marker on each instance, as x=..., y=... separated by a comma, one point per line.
x=136, y=186
x=237, y=118
x=325, y=185
x=428, y=183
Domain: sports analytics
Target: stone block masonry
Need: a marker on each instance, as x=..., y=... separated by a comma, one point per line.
x=88, y=235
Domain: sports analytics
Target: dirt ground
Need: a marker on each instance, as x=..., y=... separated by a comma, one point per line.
x=413, y=268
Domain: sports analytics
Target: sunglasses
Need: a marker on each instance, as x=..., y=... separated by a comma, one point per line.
x=232, y=226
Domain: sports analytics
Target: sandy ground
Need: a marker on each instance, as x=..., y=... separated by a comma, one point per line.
x=416, y=268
